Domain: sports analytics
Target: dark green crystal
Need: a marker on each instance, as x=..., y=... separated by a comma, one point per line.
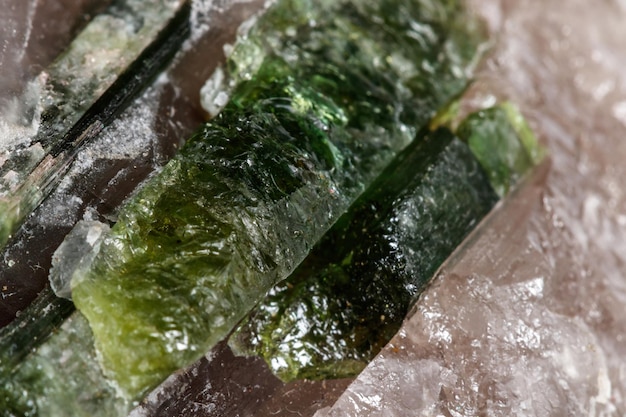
x=350, y=295
x=326, y=95
x=347, y=299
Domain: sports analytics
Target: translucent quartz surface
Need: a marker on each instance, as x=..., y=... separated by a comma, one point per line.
x=316, y=114
x=30, y=42
x=530, y=318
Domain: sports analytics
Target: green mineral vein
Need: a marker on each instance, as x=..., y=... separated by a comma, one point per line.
x=350, y=295
x=326, y=95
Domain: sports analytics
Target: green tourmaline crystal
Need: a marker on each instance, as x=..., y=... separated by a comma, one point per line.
x=503, y=143
x=350, y=295
x=347, y=299
x=325, y=96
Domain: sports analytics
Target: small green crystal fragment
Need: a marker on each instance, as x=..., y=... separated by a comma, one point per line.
x=503, y=143
x=331, y=97
x=9, y=221
x=61, y=378
x=535, y=151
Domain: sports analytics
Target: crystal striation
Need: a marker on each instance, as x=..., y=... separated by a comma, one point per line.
x=79, y=93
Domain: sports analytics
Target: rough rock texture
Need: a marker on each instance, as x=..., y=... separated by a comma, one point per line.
x=529, y=318
x=244, y=200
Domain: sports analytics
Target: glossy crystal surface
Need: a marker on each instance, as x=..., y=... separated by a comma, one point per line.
x=503, y=144
x=57, y=99
x=323, y=99
x=61, y=378
x=349, y=297
x=530, y=319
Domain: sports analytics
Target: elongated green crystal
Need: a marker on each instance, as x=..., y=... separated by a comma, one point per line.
x=61, y=378
x=349, y=297
x=502, y=143
x=324, y=99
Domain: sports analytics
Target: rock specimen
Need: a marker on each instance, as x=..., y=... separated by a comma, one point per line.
x=78, y=94
x=325, y=96
x=529, y=319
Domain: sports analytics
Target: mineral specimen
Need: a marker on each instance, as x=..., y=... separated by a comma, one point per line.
x=530, y=319
x=60, y=378
x=326, y=95
x=489, y=135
